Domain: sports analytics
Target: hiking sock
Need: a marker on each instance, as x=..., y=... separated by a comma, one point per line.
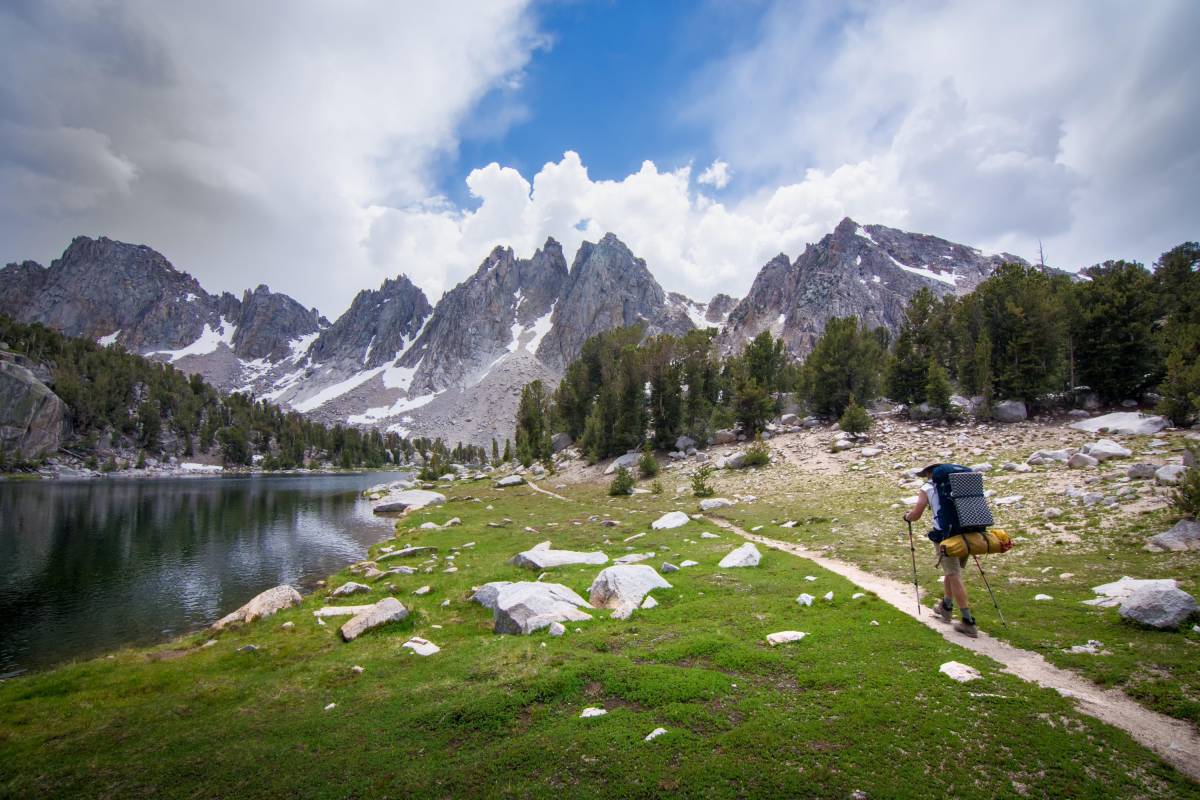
x=968, y=617
x=947, y=604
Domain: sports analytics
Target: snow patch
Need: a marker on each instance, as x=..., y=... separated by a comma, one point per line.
x=111, y=339
x=370, y=347
x=336, y=390
x=208, y=342
x=373, y=415
x=925, y=272
x=299, y=346
x=861, y=231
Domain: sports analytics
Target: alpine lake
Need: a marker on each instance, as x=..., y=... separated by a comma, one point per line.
x=88, y=567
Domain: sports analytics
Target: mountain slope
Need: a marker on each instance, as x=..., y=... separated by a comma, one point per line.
x=865, y=271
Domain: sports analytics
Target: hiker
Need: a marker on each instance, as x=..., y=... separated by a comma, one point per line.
x=952, y=584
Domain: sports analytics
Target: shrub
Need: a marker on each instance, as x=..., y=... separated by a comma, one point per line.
x=700, y=485
x=622, y=483
x=656, y=487
x=855, y=418
x=1187, y=494
x=647, y=464
x=757, y=454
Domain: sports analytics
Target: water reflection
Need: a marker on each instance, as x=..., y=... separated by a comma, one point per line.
x=91, y=566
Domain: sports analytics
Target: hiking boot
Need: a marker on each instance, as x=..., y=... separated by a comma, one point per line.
x=967, y=628
x=941, y=612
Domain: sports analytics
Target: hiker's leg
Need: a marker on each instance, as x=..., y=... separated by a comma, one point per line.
x=956, y=589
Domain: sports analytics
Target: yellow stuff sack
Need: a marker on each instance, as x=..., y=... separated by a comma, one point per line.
x=962, y=545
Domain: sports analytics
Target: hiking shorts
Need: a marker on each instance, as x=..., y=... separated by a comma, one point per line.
x=948, y=565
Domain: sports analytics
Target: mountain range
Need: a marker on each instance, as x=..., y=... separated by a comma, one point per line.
x=455, y=369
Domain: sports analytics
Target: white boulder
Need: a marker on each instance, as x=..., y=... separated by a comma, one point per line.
x=1165, y=608
x=1105, y=449
x=509, y=480
x=1170, y=475
x=673, y=519
x=1185, y=535
x=422, y=647
x=261, y=605
x=486, y=595
x=408, y=500
x=1009, y=411
x=527, y=606
x=1081, y=461
x=389, y=609
x=1115, y=593
x=349, y=588
x=542, y=556
x=1129, y=423
x=713, y=503
x=628, y=460
x=959, y=672
x=782, y=637
x=745, y=556
x=624, y=587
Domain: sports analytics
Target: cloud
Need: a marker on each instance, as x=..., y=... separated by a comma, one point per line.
x=247, y=142
x=717, y=175
x=991, y=123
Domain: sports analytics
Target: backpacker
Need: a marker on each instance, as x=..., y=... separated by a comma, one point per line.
x=962, y=508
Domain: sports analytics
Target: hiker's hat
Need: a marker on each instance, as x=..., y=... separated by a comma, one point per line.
x=927, y=470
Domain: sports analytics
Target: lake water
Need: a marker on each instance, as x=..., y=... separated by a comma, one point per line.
x=87, y=567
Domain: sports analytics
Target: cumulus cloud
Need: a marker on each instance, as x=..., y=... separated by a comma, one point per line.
x=717, y=175
x=247, y=142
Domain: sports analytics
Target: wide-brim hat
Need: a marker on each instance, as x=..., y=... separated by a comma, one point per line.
x=927, y=470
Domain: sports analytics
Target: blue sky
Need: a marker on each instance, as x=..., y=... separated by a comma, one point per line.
x=321, y=148
x=612, y=83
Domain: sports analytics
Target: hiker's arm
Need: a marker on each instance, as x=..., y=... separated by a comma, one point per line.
x=918, y=509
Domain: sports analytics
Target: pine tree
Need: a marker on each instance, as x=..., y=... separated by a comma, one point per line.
x=1116, y=348
x=937, y=387
x=507, y=451
x=855, y=418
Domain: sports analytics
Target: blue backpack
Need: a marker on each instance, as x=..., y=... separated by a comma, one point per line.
x=962, y=508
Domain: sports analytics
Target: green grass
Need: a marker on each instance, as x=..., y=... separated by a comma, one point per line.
x=853, y=519
x=854, y=706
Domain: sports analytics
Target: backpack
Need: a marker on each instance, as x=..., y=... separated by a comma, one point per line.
x=962, y=508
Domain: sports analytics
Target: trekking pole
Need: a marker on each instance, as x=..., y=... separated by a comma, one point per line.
x=913, y=549
x=989, y=588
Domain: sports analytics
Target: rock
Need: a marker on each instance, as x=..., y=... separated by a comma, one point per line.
x=1129, y=423
x=842, y=444
x=1115, y=593
x=590, y=712
x=745, y=556
x=33, y=419
x=1170, y=475
x=1011, y=500
x=782, y=637
x=984, y=467
x=828, y=597
x=959, y=672
x=331, y=707
x=1009, y=411
x=248, y=648
x=1053, y=512
x=1042, y=597
x=1189, y=458
x=422, y=647
x=1081, y=461
x=1105, y=449
x=649, y=602
x=422, y=591
x=561, y=441
x=724, y=437
x=805, y=599
x=667, y=566
x=708, y=535
x=357, y=670
x=628, y=461
x=789, y=419
x=624, y=587
x=528, y=606
x=1165, y=608
x=1184, y=535
x=689, y=563
x=406, y=552
x=654, y=734
x=673, y=519
x=261, y=605
x=870, y=452
x=713, y=503
x=408, y=500
x=734, y=461
x=1049, y=455
x=341, y=611
x=556, y=629
x=389, y=609
x=684, y=442
x=633, y=558
x=349, y=588
x=541, y=557
x=1141, y=472
x=487, y=594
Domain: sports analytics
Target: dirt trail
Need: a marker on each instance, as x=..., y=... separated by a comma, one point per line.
x=1175, y=741
x=537, y=488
